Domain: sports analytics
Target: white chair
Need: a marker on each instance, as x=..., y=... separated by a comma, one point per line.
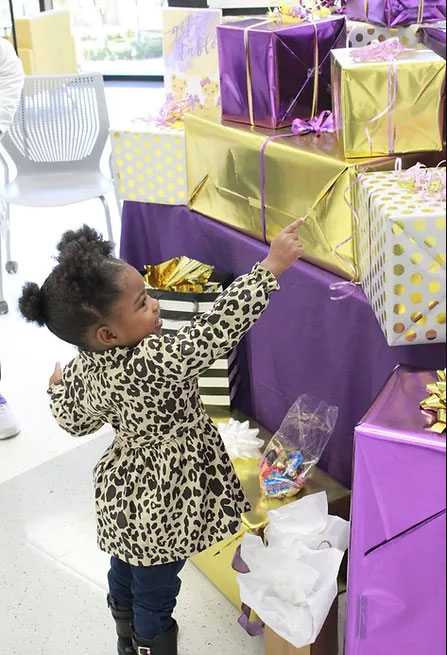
x=56, y=141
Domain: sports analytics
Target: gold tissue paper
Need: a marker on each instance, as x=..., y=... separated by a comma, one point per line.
x=179, y=274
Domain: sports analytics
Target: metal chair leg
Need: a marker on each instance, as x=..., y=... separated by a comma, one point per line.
x=11, y=266
x=3, y=303
x=117, y=198
x=108, y=221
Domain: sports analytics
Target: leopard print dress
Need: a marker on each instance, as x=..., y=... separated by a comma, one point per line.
x=165, y=488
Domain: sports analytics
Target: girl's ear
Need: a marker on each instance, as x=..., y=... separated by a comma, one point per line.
x=106, y=336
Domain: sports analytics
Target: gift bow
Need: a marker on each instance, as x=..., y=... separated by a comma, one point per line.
x=306, y=9
x=172, y=113
x=436, y=402
x=429, y=182
x=387, y=51
x=322, y=123
x=240, y=440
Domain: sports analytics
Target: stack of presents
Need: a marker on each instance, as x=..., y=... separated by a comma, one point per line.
x=333, y=111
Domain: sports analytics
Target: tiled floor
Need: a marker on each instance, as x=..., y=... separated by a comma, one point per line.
x=52, y=576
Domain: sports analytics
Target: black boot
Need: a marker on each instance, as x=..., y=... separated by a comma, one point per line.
x=123, y=618
x=165, y=644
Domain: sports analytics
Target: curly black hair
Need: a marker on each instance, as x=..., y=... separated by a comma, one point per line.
x=80, y=291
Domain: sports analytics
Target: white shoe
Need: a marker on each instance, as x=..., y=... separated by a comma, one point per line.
x=8, y=424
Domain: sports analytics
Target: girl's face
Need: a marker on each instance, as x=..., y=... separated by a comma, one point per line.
x=135, y=315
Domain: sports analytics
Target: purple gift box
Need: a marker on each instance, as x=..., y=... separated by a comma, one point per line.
x=435, y=39
x=267, y=69
x=396, y=12
x=397, y=574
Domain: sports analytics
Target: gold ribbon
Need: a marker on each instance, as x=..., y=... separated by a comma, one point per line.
x=436, y=402
x=421, y=9
x=248, y=68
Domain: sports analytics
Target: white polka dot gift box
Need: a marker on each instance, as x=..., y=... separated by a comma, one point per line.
x=149, y=164
x=402, y=252
x=363, y=34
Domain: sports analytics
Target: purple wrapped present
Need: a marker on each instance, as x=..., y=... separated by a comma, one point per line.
x=267, y=69
x=435, y=39
x=397, y=573
x=396, y=12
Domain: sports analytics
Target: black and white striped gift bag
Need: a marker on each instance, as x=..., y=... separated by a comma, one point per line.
x=218, y=385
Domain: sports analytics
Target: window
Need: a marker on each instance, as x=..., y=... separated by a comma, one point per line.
x=117, y=37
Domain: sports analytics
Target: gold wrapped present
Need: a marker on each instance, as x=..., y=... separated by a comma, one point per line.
x=304, y=176
x=388, y=105
x=215, y=562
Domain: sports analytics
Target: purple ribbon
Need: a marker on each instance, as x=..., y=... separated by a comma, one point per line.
x=323, y=123
x=253, y=628
x=386, y=51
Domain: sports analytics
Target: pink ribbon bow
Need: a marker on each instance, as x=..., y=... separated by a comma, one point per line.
x=322, y=123
x=387, y=51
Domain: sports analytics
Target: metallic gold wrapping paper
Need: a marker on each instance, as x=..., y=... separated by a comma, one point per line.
x=305, y=176
x=179, y=274
x=360, y=93
x=215, y=562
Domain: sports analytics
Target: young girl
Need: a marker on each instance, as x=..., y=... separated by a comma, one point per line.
x=165, y=488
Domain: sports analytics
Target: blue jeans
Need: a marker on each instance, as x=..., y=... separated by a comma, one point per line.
x=151, y=592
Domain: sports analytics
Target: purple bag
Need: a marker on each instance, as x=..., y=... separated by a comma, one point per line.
x=396, y=12
x=267, y=69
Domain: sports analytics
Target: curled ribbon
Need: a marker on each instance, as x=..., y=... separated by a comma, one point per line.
x=172, y=113
x=323, y=123
x=386, y=51
x=435, y=403
x=429, y=182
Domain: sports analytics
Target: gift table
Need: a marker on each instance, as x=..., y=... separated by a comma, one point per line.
x=304, y=343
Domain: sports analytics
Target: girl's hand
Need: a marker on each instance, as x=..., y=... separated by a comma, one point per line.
x=285, y=249
x=57, y=374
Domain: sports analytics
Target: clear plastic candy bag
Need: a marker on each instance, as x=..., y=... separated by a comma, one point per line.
x=297, y=446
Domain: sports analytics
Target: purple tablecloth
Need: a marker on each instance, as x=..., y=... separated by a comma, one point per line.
x=304, y=343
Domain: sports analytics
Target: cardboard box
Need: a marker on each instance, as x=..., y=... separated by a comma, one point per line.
x=326, y=643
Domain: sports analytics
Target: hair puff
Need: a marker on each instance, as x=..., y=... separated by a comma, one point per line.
x=31, y=304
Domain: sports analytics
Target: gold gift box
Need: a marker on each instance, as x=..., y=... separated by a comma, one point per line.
x=305, y=176
x=215, y=562
x=361, y=92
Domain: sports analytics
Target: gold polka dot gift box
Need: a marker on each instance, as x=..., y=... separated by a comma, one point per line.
x=363, y=34
x=402, y=253
x=149, y=164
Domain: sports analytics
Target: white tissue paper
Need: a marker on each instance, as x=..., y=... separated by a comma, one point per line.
x=240, y=440
x=292, y=582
